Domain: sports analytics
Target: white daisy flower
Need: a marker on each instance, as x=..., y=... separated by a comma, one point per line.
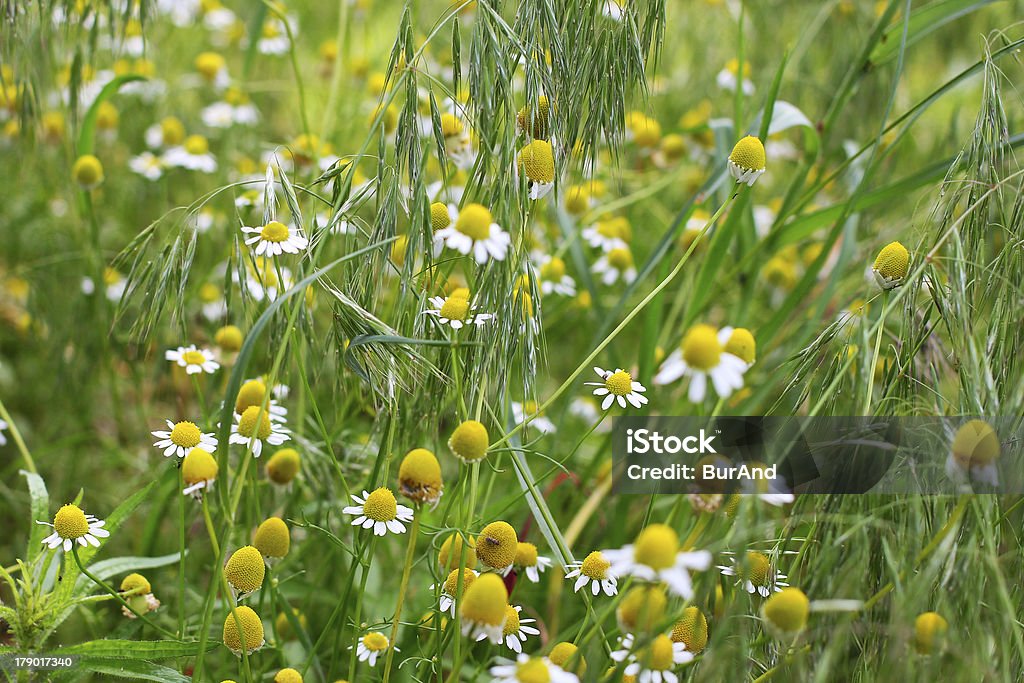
x=618, y=386
x=193, y=154
x=450, y=589
x=274, y=38
x=275, y=238
x=528, y=559
x=615, y=264
x=520, y=411
x=701, y=355
x=553, y=278
x=192, y=359
x=755, y=574
x=728, y=78
x=181, y=437
x=527, y=669
x=596, y=571
x=536, y=161
x=3, y=439
x=474, y=231
x=147, y=165
x=70, y=524
x=372, y=646
x=654, y=662
x=608, y=234
x=254, y=426
x=380, y=511
x=516, y=629
x=655, y=556
x=456, y=311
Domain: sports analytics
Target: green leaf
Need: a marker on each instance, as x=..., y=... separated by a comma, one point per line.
x=134, y=649
x=137, y=671
x=922, y=21
x=87, y=136
x=40, y=512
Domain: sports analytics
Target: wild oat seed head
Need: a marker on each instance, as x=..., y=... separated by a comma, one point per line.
x=701, y=348
x=419, y=476
x=691, y=629
x=470, y=440
x=284, y=465
x=272, y=538
x=497, y=544
x=198, y=465
x=70, y=522
x=787, y=610
x=485, y=601
x=250, y=625
x=245, y=569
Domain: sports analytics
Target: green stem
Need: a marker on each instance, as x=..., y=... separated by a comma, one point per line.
x=410, y=553
x=30, y=464
x=874, y=356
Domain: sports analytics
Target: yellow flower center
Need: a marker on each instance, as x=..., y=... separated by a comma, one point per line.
x=511, y=620
x=249, y=426
x=470, y=440
x=439, y=218
x=577, y=200
x=272, y=538
x=742, y=345
x=455, y=308
x=620, y=258
x=474, y=221
x=975, y=444
x=595, y=566
x=274, y=231
x=659, y=655
x=136, y=584
x=748, y=154
x=451, y=584
x=691, y=629
x=380, y=505
x=199, y=465
x=562, y=656
x=87, y=171
x=70, y=522
x=449, y=557
x=229, y=338
x=375, y=641
x=929, y=629
x=535, y=119
x=553, y=270
x=788, y=609
x=619, y=383
x=245, y=569
x=250, y=625
x=485, y=601
x=533, y=671
x=196, y=145
x=526, y=555
x=284, y=465
x=186, y=435
x=656, y=547
x=537, y=161
x=893, y=261
x=209, y=64
x=755, y=569
x=451, y=126
x=193, y=358
x=497, y=544
x=250, y=394
x=701, y=349
x=643, y=608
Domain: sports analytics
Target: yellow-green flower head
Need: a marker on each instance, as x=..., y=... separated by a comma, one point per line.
x=440, y=217
x=976, y=444
x=475, y=221
x=692, y=630
x=419, y=477
x=497, y=544
x=891, y=265
x=642, y=609
x=929, y=632
x=135, y=584
x=536, y=120
x=229, y=338
x=245, y=570
x=646, y=131
x=673, y=147
x=389, y=117
x=470, y=441
x=272, y=538
x=283, y=627
x=451, y=584
x=451, y=553
x=209, y=65
x=484, y=607
x=564, y=656
x=577, y=200
x=451, y=126
x=249, y=625
x=288, y=676
x=87, y=171
x=250, y=394
x=284, y=465
x=742, y=345
x=70, y=522
x=747, y=160
x=786, y=611
x=198, y=466
x=537, y=162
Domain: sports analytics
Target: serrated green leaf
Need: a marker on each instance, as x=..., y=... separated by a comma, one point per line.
x=40, y=512
x=137, y=671
x=142, y=650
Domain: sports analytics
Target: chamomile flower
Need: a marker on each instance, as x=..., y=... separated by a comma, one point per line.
x=531, y=563
x=245, y=571
x=3, y=439
x=654, y=662
x=245, y=634
x=656, y=556
x=181, y=437
x=484, y=608
x=891, y=265
x=520, y=411
x=785, y=613
x=274, y=37
x=380, y=511
x=450, y=589
x=974, y=454
x=275, y=238
x=610, y=233
x=236, y=108
x=193, y=154
x=755, y=574
x=138, y=593
x=730, y=76
x=198, y=470
x=536, y=162
x=747, y=160
x=527, y=669
x=71, y=525
x=456, y=311
x=702, y=355
x=496, y=546
x=372, y=646
x=419, y=477
x=595, y=570
x=474, y=231
x=253, y=393
x=618, y=386
x=616, y=264
x=254, y=426
x=516, y=629
x=194, y=360
x=929, y=632
x=553, y=278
